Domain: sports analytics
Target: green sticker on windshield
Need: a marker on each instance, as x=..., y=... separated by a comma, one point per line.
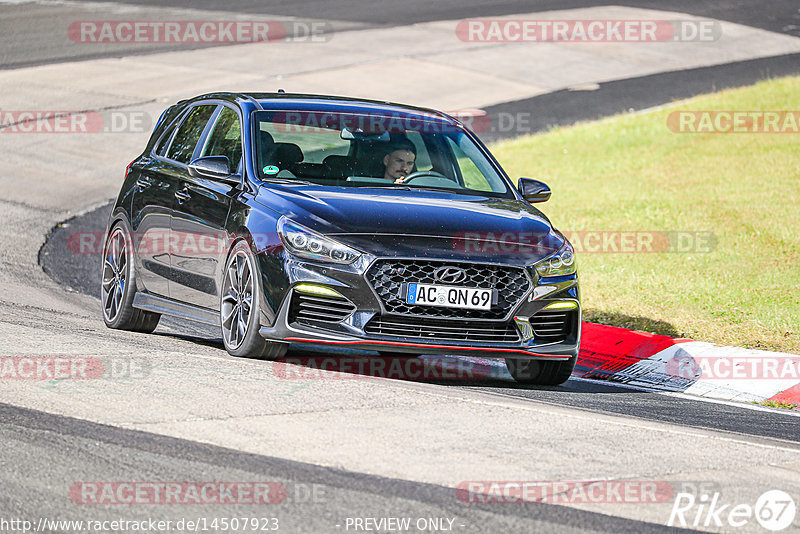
x=271, y=169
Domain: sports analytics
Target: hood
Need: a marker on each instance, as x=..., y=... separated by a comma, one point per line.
x=399, y=222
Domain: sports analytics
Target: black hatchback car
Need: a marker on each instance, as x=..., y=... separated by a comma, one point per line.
x=290, y=218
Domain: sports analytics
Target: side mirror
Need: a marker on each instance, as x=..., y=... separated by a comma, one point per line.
x=214, y=168
x=534, y=190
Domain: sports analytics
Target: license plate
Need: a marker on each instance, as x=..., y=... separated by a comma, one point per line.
x=471, y=298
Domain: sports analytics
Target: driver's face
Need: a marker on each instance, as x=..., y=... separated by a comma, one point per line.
x=399, y=164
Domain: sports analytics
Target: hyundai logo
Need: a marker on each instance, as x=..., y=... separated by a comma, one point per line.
x=450, y=275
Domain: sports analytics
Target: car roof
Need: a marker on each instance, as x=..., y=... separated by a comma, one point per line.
x=327, y=103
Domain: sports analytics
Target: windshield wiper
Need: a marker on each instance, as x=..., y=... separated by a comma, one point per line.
x=285, y=181
x=409, y=187
x=387, y=186
x=434, y=188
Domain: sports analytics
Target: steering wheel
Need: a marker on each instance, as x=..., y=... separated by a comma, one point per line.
x=423, y=174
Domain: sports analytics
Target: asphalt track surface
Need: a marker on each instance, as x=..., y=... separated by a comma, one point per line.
x=81, y=273
x=31, y=19
x=317, y=497
x=559, y=108
x=770, y=14
x=566, y=107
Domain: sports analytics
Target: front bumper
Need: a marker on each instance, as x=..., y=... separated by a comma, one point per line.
x=357, y=329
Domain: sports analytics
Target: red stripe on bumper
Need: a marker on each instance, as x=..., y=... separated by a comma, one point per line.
x=447, y=347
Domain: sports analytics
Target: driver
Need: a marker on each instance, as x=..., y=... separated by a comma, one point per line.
x=399, y=162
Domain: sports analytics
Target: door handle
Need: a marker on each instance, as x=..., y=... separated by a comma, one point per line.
x=143, y=183
x=182, y=196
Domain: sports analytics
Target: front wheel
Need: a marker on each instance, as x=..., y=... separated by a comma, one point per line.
x=240, y=309
x=538, y=372
x=118, y=285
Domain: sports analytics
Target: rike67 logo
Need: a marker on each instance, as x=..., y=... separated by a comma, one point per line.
x=774, y=510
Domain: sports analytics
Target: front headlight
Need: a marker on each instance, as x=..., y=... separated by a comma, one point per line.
x=559, y=264
x=306, y=243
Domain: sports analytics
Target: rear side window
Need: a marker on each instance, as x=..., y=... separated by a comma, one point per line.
x=467, y=161
x=161, y=149
x=189, y=132
x=226, y=138
x=423, y=160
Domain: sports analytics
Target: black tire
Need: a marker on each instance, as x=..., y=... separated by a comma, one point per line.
x=248, y=344
x=118, y=285
x=538, y=372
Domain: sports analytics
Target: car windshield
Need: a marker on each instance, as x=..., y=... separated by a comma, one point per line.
x=372, y=150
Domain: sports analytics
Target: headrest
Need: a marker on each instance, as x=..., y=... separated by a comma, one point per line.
x=265, y=140
x=286, y=154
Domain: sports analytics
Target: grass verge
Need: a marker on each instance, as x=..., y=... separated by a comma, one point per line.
x=632, y=173
x=778, y=404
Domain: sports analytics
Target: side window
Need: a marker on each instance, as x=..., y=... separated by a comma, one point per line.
x=226, y=138
x=471, y=174
x=189, y=133
x=161, y=148
x=423, y=161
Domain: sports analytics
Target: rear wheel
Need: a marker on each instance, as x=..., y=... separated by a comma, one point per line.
x=543, y=373
x=118, y=285
x=240, y=308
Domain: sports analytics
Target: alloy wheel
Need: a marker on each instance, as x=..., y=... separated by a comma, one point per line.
x=115, y=274
x=237, y=299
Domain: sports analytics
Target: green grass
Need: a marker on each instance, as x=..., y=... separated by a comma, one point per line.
x=778, y=404
x=630, y=172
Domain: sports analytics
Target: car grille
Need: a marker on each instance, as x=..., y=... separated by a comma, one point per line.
x=551, y=326
x=317, y=308
x=442, y=330
x=387, y=276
